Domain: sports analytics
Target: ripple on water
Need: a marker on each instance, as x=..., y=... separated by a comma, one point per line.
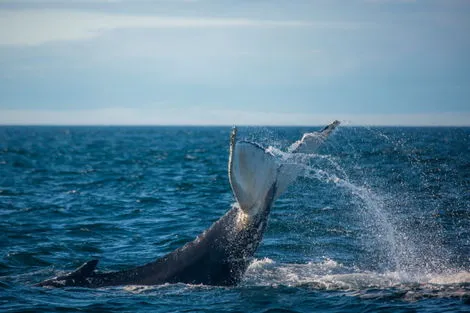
x=375, y=207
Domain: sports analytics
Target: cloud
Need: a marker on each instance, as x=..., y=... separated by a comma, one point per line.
x=35, y=27
x=198, y=116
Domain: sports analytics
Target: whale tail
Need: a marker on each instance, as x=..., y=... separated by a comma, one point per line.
x=311, y=141
x=308, y=144
x=257, y=178
x=253, y=170
x=252, y=173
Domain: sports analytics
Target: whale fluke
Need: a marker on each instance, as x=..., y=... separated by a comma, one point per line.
x=311, y=141
x=289, y=171
x=252, y=173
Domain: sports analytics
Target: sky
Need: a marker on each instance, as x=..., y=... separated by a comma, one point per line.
x=217, y=62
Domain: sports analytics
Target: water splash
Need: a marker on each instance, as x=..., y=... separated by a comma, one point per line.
x=332, y=275
x=399, y=249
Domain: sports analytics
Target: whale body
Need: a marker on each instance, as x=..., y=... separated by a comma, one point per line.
x=221, y=254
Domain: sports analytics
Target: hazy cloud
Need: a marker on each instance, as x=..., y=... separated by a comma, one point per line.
x=234, y=62
x=34, y=27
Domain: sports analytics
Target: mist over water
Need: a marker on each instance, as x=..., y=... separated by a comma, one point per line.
x=380, y=215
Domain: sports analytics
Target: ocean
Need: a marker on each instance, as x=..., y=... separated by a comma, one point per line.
x=380, y=221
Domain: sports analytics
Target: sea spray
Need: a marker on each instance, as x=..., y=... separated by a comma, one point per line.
x=405, y=259
x=392, y=243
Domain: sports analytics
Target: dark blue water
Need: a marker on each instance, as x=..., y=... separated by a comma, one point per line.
x=379, y=222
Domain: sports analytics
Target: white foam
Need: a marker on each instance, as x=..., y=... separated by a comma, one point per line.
x=449, y=279
x=331, y=275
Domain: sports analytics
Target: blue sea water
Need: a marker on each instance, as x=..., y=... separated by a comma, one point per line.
x=380, y=221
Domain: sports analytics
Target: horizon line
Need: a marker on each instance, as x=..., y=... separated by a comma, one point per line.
x=237, y=125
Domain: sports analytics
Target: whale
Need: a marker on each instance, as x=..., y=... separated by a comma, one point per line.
x=221, y=254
